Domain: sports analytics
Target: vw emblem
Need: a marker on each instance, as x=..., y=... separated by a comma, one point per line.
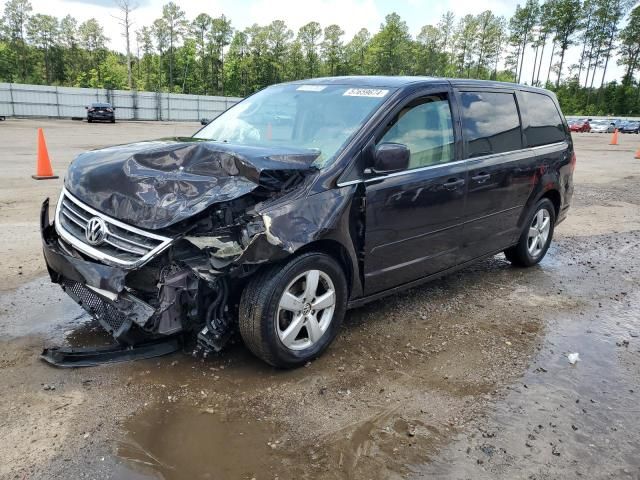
x=96, y=231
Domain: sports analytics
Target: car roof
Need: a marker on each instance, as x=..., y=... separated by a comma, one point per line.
x=406, y=81
x=100, y=104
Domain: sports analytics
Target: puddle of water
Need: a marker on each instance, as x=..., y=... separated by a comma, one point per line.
x=173, y=442
x=561, y=419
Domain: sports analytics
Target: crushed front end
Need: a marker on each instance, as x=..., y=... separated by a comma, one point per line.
x=128, y=280
x=149, y=264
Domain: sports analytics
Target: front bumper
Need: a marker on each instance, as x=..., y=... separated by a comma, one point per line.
x=101, y=116
x=101, y=291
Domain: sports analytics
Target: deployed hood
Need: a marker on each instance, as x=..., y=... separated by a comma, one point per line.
x=155, y=184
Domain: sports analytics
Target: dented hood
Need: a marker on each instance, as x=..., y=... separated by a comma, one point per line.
x=155, y=184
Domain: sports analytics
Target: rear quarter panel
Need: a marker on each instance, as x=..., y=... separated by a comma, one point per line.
x=554, y=169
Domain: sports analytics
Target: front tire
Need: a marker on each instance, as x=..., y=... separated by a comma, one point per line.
x=289, y=314
x=536, y=236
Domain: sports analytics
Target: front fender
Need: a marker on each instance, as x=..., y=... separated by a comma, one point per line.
x=291, y=226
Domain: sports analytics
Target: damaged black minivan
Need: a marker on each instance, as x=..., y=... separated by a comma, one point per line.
x=304, y=200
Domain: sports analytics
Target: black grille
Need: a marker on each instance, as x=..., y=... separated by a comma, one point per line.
x=108, y=315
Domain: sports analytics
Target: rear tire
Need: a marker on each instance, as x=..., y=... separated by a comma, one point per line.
x=277, y=318
x=536, y=236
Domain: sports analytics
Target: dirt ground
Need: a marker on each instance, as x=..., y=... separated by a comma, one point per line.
x=464, y=378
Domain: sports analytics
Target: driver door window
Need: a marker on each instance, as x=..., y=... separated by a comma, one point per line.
x=425, y=126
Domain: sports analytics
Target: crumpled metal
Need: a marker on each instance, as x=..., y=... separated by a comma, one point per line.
x=156, y=184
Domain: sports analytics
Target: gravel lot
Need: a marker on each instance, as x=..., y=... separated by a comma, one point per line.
x=466, y=377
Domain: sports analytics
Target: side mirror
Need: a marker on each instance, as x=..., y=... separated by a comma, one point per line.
x=114, y=108
x=391, y=157
x=86, y=108
x=204, y=121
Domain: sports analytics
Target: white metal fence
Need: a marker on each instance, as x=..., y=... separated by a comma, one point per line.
x=19, y=100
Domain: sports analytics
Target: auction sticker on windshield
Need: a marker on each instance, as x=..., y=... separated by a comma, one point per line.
x=311, y=88
x=365, y=92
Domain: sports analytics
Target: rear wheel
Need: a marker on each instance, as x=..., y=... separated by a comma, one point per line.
x=536, y=237
x=290, y=313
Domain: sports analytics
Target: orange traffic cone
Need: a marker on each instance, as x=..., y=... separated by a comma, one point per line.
x=614, y=137
x=43, y=169
x=637, y=157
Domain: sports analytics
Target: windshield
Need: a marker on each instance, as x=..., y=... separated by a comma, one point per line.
x=321, y=117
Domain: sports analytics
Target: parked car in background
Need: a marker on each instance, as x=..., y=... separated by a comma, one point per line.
x=630, y=127
x=103, y=112
x=306, y=199
x=602, y=126
x=580, y=126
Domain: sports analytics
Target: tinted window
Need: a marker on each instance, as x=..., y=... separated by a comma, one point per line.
x=426, y=128
x=490, y=123
x=545, y=123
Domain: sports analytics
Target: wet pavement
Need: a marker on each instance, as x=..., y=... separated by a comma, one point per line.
x=563, y=420
x=467, y=377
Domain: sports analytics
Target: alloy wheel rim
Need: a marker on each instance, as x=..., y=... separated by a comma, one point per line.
x=305, y=310
x=539, y=232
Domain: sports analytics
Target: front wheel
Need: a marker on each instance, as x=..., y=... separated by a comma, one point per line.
x=536, y=237
x=290, y=313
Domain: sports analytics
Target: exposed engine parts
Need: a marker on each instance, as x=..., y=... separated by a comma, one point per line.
x=218, y=325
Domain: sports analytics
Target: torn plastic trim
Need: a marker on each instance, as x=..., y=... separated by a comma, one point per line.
x=61, y=264
x=271, y=238
x=223, y=249
x=116, y=317
x=94, y=356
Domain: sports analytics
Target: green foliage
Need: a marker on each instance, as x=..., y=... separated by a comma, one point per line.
x=206, y=55
x=630, y=47
x=389, y=52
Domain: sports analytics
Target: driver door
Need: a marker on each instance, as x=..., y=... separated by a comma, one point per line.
x=414, y=217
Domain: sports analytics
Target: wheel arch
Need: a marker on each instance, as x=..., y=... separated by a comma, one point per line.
x=551, y=190
x=338, y=252
x=554, y=195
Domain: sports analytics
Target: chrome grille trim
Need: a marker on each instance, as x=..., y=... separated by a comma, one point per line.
x=126, y=252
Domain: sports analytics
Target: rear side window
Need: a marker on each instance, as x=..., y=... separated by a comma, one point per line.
x=490, y=123
x=545, y=123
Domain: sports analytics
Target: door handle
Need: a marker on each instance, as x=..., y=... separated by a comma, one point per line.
x=481, y=177
x=453, y=183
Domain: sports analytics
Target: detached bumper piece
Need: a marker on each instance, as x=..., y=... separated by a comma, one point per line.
x=93, y=356
x=110, y=314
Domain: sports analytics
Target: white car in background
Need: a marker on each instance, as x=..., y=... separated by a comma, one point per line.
x=602, y=126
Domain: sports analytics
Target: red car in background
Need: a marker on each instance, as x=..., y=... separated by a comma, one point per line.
x=580, y=126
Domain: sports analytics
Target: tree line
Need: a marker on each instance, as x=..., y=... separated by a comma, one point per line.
x=207, y=55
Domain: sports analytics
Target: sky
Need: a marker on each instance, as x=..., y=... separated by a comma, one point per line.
x=351, y=15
